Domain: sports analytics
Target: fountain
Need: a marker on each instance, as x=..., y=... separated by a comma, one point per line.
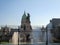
x=15, y=38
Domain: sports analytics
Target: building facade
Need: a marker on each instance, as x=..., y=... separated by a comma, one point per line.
x=55, y=30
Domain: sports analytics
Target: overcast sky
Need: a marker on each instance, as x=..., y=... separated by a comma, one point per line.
x=41, y=11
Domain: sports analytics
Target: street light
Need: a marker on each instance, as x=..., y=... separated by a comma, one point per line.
x=18, y=35
x=46, y=36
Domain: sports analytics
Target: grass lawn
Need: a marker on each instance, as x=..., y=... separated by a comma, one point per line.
x=4, y=42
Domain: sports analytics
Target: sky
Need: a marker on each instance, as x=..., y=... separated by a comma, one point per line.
x=41, y=11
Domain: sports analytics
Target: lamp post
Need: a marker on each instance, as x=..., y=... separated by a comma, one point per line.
x=18, y=36
x=46, y=36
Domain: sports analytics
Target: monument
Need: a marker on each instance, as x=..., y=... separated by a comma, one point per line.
x=25, y=27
